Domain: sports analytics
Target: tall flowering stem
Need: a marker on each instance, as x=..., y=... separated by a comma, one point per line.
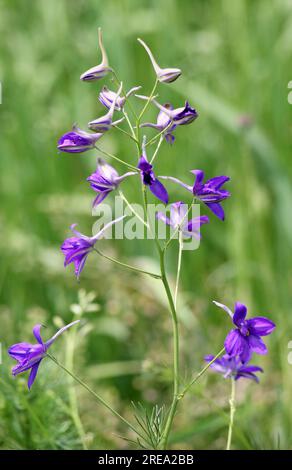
x=232, y=413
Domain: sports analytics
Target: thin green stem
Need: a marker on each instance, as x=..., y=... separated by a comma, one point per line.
x=157, y=149
x=196, y=378
x=124, y=93
x=123, y=197
x=232, y=413
x=130, y=126
x=110, y=155
x=159, y=135
x=127, y=266
x=95, y=395
x=175, y=398
x=180, y=248
x=144, y=109
x=70, y=346
x=126, y=133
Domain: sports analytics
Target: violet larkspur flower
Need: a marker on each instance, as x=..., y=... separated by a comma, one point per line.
x=107, y=97
x=78, y=141
x=105, y=179
x=98, y=71
x=166, y=75
x=210, y=192
x=246, y=337
x=180, y=116
x=77, y=248
x=104, y=123
x=29, y=356
x=178, y=220
x=163, y=123
x=231, y=367
x=149, y=178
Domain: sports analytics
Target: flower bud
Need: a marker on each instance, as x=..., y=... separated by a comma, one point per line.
x=101, y=70
x=77, y=141
x=104, y=123
x=166, y=75
x=106, y=97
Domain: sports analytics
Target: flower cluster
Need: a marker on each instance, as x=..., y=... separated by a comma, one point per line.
x=241, y=342
x=106, y=178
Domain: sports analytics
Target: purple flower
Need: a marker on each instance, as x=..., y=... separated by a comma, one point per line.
x=101, y=70
x=107, y=97
x=105, y=179
x=77, y=141
x=246, y=337
x=231, y=367
x=163, y=123
x=210, y=192
x=149, y=178
x=167, y=75
x=104, y=123
x=29, y=356
x=77, y=248
x=180, y=116
x=178, y=220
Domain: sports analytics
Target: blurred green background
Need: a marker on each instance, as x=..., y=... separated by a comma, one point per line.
x=236, y=62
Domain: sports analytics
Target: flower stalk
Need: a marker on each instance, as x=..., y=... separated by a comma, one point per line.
x=232, y=413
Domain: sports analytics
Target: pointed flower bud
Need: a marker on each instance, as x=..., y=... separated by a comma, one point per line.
x=180, y=116
x=104, y=123
x=106, y=97
x=105, y=179
x=167, y=75
x=101, y=70
x=77, y=141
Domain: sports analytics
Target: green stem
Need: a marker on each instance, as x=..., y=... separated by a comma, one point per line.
x=95, y=395
x=71, y=390
x=132, y=209
x=232, y=413
x=126, y=133
x=175, y=397
x=180, y=245
x=194, y=380
x=127, y=266
x=144, y=109
x=157, y=149
x=110, y=155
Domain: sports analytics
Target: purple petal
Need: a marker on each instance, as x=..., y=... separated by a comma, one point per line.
x=19, y=351
x=250, y=369
x=217, y=181
x=163, y=218
x=199, y=174
x=143, y=164
x=240, y=312
x=260, y=326
x=100, y=197
x=217, y=209
x=256, y=344
x=33, y=374
x=246, y=353
x=37, y=333
x=246, y=375
x=195, y=224
x=235, y=343
x=159, y=191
